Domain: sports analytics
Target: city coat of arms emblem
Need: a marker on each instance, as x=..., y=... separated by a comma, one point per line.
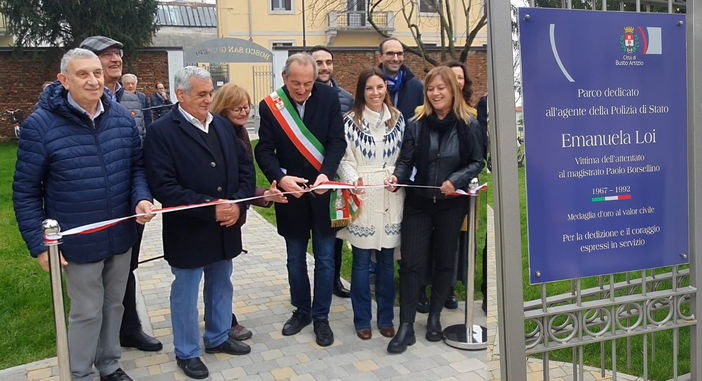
x=628, y=41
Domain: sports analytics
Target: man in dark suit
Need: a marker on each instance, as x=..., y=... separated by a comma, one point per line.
x=194, y=157
x=314, y=108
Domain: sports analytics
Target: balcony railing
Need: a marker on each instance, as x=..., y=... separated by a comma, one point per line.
x=358, y=21
x=3, y=25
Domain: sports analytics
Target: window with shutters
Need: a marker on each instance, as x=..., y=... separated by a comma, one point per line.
x=428, y=6
x=281, y=5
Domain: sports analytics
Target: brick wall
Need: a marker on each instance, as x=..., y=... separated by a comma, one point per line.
x=348, y=63
x=151, y=68
x=21, y=79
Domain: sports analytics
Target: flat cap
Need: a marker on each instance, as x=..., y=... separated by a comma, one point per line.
x=98, y=44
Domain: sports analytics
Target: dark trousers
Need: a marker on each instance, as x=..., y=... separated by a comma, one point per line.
x=130, y=319
x=300, y=294
x=338, y=249
x=428, y=228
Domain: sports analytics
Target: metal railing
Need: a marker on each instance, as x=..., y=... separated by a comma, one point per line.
x=358, y=20
x=641, y=307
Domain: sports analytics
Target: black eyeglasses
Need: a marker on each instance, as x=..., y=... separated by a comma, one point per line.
x=393, y=54
x=238, y=110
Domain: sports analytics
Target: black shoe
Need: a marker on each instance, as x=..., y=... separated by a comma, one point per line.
x=434, y=328
x=485, y=305
x=296, y=323
x=451, y=301
x=231, y=347
x=423, y=304
x=403, y=338
x=117, y=375
x=340, y=290
x=193, y=368
x=140, y=341
x=325, y=336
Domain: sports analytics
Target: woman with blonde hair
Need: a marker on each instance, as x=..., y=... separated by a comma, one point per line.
x=464, y=84
x=373, y=130
x=234, y=103
x=441, y=148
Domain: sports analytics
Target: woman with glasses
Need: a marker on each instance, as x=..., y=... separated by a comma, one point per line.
x=234, y=103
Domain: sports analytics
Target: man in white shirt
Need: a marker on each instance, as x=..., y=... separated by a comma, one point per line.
x=195, y=157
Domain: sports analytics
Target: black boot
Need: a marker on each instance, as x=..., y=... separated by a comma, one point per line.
x=451, y=301
x=423, y=304
x=403, y=338
x=434, y=327
x=340, y=290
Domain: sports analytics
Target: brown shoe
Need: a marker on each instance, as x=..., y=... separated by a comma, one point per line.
x=364, y=334
x=388, y=331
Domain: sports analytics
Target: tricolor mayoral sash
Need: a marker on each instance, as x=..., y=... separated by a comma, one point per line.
x=344, y=205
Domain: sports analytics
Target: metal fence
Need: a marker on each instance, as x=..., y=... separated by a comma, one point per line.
x=262, y=83
x=632, y=307
x=219, y=73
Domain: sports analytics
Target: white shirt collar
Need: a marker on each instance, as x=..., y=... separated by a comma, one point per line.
x=100, y=108
x=195, y=122
x=109, y=92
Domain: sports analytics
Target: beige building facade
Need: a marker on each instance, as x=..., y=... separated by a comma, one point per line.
x=277, y=25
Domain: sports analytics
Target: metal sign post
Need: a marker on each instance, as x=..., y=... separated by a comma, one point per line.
x=51, y=227
x=468, y=336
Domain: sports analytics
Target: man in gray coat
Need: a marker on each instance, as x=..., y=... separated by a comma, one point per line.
x=325, y=71
x=110, y=53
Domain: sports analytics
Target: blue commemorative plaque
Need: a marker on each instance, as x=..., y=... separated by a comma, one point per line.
x=605, y=120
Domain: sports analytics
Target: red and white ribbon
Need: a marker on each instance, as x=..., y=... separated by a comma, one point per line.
x=328, y=185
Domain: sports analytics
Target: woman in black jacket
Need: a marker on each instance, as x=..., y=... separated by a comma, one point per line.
x=443, y=144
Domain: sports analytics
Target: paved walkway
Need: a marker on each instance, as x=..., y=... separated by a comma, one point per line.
x=262, y=305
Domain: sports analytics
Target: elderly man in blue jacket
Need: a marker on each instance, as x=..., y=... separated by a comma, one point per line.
x=79, y=161
x=110, y=53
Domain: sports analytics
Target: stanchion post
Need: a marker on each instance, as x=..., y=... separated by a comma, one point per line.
x=469, y=336
x=51, y=229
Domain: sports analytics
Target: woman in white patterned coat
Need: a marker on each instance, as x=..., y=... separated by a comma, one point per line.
x=374, y=131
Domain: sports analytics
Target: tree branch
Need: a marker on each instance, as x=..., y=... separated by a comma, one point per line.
x=470, y=37
x=417, y=34
x=371, y=8
x=451, y=32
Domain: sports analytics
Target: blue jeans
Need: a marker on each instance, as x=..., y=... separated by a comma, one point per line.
x=384, y=287
x=323, y=248
x=218, y=293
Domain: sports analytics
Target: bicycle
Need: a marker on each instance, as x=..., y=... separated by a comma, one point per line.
x=520, y=151
x=16, y=118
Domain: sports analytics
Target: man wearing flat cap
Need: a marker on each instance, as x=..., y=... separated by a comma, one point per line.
x=110, y=53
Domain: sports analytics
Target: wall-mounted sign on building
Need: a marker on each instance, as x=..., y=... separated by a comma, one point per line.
x=231, y=50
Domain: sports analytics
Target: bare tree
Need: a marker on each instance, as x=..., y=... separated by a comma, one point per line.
x=417, y=22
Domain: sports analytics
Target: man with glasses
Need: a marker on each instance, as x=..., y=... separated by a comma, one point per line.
x=160, y=104
x=406, y=91
x=110, y=54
